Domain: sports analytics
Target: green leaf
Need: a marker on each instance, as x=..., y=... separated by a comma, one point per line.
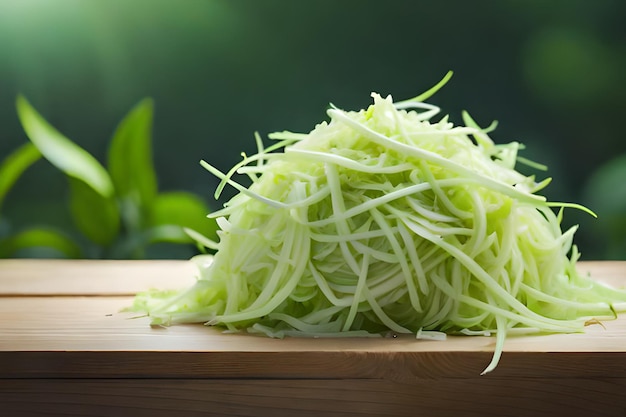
x=95, y=215
x=14, y=165
x=167, y=233
x=130, y=162
x=185, y=210
x=64, y=154
x=40, y=237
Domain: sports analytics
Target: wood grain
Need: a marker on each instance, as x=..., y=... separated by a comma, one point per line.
x=66, y=348
x=476, y=397
x=46, y=277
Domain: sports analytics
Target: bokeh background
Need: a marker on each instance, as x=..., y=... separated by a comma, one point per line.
x=552, y=73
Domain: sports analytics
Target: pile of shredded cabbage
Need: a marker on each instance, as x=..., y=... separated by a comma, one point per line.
x=383, y=220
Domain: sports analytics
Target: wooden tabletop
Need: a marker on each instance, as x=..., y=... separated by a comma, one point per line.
x=65, y=341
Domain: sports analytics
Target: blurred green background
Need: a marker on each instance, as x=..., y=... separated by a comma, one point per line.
x=552, y=73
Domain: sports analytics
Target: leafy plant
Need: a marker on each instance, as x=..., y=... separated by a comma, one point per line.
x=118, y=208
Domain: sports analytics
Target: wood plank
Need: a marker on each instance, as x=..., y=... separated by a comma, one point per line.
x=67, y=349
x=476, y=397
x=68, y=336
x=401, y=366
x=39, y=332
x=96, y=323
x=50, y=277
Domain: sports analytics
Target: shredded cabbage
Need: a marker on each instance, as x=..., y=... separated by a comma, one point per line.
x=382, y=220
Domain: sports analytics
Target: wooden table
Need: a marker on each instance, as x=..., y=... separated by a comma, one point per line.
x=66, y=349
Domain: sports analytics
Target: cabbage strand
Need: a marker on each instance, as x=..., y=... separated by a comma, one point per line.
x=382, y=220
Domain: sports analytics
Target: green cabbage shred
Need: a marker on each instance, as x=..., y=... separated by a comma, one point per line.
x=384, y=221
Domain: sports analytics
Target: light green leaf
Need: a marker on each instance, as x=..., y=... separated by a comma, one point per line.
x=167, y=233
x=70, y=158
x=130, y=160
x=14, y=165
x=95, y=215
x=40, y=237
x=185, y=210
